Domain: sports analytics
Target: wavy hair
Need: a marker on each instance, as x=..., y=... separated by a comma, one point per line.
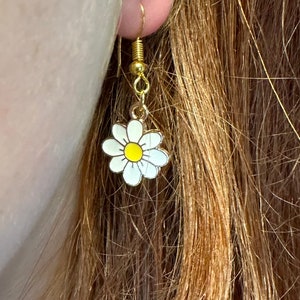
x=222, y=220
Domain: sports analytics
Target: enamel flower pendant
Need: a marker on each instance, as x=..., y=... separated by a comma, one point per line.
x=135, y=152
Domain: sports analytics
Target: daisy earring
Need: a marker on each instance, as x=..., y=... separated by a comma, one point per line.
x=135, y=152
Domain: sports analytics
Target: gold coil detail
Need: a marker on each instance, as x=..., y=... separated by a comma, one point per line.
x=138, y=50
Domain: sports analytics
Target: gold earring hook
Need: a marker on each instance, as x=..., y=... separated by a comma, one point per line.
x=137, y=67
x=120, y=41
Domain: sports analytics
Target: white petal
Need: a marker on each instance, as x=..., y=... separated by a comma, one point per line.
x=150, y=140
x=134, y=130
x=132, y=174
x=118, y=163
x=148, y=170
x=157, y=157
x=112, y=147
x=119, y=133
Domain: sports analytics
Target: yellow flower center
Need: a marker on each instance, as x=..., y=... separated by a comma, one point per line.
x=133, y=152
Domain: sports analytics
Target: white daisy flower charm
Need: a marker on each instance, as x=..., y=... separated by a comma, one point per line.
x=135, y=152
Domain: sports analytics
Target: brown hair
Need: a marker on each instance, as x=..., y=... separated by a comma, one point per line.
x=222, y=220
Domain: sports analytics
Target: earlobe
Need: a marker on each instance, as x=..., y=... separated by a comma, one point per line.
x=155, y=14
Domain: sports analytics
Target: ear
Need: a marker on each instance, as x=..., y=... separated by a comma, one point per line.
x=155, y=13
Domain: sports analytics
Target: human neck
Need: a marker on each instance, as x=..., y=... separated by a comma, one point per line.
x=29, y=271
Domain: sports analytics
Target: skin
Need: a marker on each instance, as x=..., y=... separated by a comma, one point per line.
x=52, y=60
x=155, y=14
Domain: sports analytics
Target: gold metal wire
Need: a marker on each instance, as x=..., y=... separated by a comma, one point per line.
x=139, y=111
x=138, y=50
x=143, y=20
x=144, y=81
